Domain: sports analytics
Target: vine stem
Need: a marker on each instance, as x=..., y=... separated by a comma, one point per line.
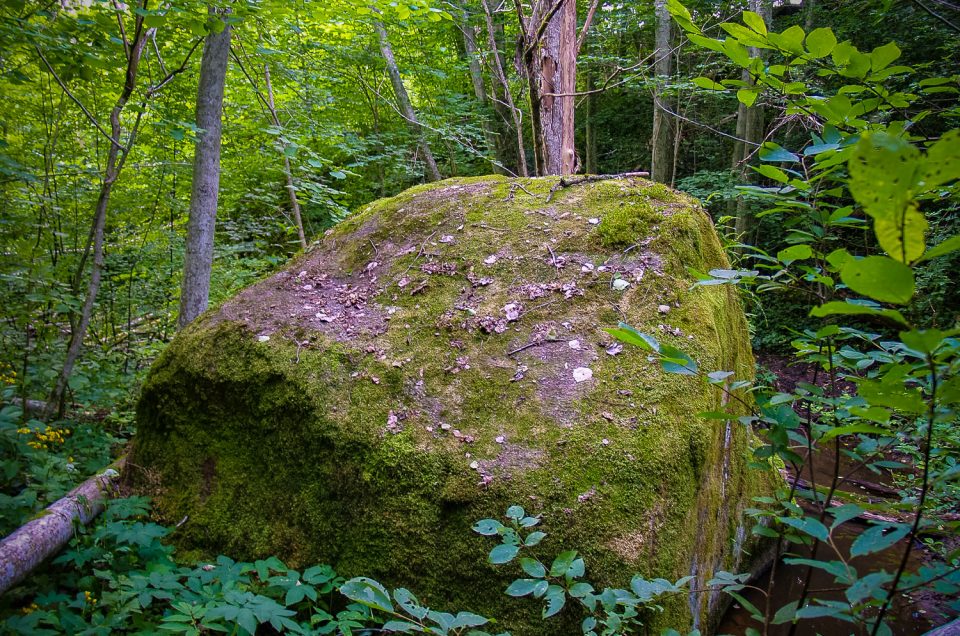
x=928, y=445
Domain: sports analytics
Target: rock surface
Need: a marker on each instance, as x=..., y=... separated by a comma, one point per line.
x=440, y=356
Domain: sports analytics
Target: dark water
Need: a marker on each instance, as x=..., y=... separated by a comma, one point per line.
x=909, y=616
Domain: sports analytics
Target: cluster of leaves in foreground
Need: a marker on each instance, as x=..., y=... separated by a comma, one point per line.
x=119, y=576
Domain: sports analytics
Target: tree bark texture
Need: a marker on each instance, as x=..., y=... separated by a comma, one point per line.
x=550, y=56
x=472, y=54
x=35, y=541
x=403, y=101
x=287, y=170
x=662, y=142
x=116, y=157
x=198, y=258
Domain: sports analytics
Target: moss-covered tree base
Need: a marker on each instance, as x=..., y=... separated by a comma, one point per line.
x=415, y=372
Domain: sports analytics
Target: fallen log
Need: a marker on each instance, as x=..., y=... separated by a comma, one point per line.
x=33, y=542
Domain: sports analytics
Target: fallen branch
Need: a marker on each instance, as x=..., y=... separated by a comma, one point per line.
x=535, y=343
x=590, y=178
x=36, y=540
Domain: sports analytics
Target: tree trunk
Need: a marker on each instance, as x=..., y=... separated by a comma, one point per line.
x=550, y=56
x=750, y=130
x=287, y=171
x=662, y=142
x=116, y=156
x=198, y=258
x=503, y=98
x=472, y=53
x=590, y=141
x=44, y=536
x=403, y=101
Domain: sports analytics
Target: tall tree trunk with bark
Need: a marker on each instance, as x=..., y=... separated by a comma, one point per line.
x=550, y=57
x=662, y=142
x=116, y=157
x=198, y=258
x=750, y=128
x=403, y=101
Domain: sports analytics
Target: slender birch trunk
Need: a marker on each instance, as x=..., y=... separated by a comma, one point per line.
x=287, y=170
x=403, y=101
x=116, y=157
x=661, y=159
x=502, y=93
x=198, y=258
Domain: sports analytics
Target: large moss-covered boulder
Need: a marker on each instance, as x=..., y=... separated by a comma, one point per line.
x=440, y=356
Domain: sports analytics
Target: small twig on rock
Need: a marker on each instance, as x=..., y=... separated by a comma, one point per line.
x=590, y=178
x=376, y=252
x=487, y=227
x=513, y=186
x=533, y=344
x=554, y=257
x=419, y=254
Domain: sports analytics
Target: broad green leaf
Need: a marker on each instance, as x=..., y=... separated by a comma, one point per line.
x=878, y=538
x=772, y=172
x=503, y=553
x=852, y=429
x=807, y=525
x=794, y=253
x=627, y=334
x=367, y=592
x=709, y=84
x=747, y=97
x=515, y=512
x=562, y=563
x=844, y=513
x=840, y=308
x=755, y=22
x=903, y=237
x=820, y=42
x=952, y=244
x=882, y=56
x=674, y=360
x=556, y=597
x=770, y=151
x=880, y=278
x=943, y=160
x=522, y=587
x=533, y=567
x=922, y=340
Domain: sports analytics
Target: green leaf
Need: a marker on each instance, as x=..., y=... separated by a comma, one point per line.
x=556, y=597
x=952, y=244
x=627, y=334
x=943, y=160
x=503, y=553
x=840, y=308
x=338, y=174
x=487, y=527
x=882, y=56
x=922, y=340
x=755, y=22
x=515, y=512
x=770, y=151
x=772, y=172
x=534, y=538
x=878, y=538
x=880, y=278
x=852, y=429
x=884, y=174
x=533, y=567
x=404, y=627
x=820, y=42
x=786, y=613
x=747, y=97
x=562, y=563
x=522, y=587
x=674, y=360
x=807, y=525
x=844, y=513
x=367, y=592
x=794, y=253
x=709, y=84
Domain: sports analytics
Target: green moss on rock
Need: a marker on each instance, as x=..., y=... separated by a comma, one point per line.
x=367, y=404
